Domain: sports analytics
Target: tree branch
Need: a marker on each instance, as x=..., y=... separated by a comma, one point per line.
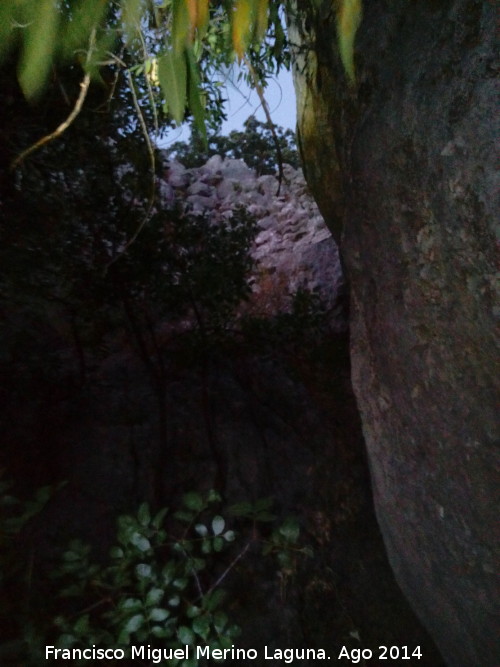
x=229, y=568
x=260, y=92
x=84, y=87
x=149, y=145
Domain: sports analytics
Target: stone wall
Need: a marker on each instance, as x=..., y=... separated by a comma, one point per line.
x=293, y=247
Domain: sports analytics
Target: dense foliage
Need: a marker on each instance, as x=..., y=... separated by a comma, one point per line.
x=170, y=53
x=162, y=585
x=254, y=145
x=93, y=267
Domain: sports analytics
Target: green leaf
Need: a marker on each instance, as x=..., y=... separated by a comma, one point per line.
x=241, y=509
x=201, y=625
x=43, y=495
x=160, y=631
x=154, y=596
x=6, y=32
x=123, y=638
x=143, y=515
x=131, y=15
x=226, y=641
x=180, y=583
x=172, y=73
x=183, y=547
x=85, y=14
x=39, y=46
x=190, y=662
x=143, y=571
x=229, y=536
x=285, y=559
x=220, y=621
x=218, y=543
x=185, y=635
x=197, y=564
x=201, y=529
x=168, y=573
x=134, y=623
x=218, y=525
x=66, y=641
x=130, y=604
x=213, y=496
x=193, y=501
x=193, y=611
x=74, y=590
x=186, y=517
x=121, y=577
x=82, y=625
x=213, y=600
x=158, y=519
x=290, y=529
x=139, y=541
x=233, y=631
x=195, y=103
x=116, y=552
x=181, y=25
x=158, y=614
x=161, y=537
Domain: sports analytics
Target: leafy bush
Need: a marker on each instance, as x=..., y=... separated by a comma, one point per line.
x=155, y=587
x=161, y=585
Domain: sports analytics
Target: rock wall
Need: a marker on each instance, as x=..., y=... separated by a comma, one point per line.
x=415, y=143
x=293, y=249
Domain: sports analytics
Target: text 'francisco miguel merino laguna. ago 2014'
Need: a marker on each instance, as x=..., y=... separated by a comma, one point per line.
x=287, y=655
x=157, y=655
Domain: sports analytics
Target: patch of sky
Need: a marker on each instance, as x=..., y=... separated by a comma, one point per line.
x=243, y=101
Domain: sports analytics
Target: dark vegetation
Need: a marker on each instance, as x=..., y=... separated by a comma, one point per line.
x=255, y=144
x=75, y=294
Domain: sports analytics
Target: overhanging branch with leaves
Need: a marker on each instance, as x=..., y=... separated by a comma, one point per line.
x=174, y=45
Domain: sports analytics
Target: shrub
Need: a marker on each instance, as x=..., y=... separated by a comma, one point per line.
x=160, y=587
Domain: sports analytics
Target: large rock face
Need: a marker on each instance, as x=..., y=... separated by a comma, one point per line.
x=293, y=248
x=419, y=197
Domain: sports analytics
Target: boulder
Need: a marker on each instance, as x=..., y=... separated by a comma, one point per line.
x=418, y=200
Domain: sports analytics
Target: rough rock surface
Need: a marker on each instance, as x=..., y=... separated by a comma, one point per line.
x=420, y=199
x=293, y=248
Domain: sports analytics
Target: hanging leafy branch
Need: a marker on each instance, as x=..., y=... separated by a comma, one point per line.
x=187, y=37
